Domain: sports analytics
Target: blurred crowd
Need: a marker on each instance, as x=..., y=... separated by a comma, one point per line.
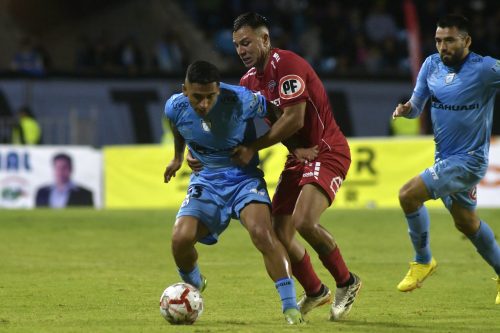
x=341, y=37
x=356, y=36
x=103, y=57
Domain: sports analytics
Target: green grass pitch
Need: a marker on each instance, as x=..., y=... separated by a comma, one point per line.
x=104, y=271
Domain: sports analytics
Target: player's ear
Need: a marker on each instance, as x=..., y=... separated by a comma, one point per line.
x=468, y=41
x=184, y=90
x=266, y=39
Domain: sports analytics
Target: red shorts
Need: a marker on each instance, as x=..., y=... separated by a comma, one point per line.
x=328, y=171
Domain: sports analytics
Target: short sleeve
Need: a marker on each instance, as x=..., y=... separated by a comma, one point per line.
x=168, y=111
x=293, y=72
x=254, y=105
x=421, y=88
x=491, y=72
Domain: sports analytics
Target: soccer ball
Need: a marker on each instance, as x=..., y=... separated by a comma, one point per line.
x=181, y=304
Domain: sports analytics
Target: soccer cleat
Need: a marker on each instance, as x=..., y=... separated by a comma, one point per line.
x=203, y=283
x=307, y=303
x=416, y=275
x=344, y=299
x=293, y=316
x=497, y=300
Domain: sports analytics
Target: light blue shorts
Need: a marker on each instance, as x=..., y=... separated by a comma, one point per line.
x=216, y=197
x=454, y=179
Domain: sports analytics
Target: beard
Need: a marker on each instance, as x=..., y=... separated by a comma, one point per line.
x=452, y=60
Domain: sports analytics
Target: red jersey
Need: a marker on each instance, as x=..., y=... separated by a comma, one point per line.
x=289, y=79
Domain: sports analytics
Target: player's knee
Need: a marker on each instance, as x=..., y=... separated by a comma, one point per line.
x=462, y=227
x=406, y=199
x=182, y=239
x=304, y=226
x=465, y=227
x=282, y=237
x=261, y=237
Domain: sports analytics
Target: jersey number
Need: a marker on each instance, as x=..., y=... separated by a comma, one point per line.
x=193, y=192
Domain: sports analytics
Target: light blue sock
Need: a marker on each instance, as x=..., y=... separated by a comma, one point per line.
x=484, y=241
x=418, y=228
x=193, y=277
x=286, y=289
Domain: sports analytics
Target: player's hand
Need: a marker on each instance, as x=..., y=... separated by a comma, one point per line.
x=193, y=163
x=401, y=110
x=171, y=170
x=306, y=154
x=242, y=155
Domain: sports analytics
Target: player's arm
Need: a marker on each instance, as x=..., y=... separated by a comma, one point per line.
x=193, y=163
x=401, y=110
x=285, y=126
x=411, y=109
x=273, y=114
x=176, y=163
x=414, y=107
x=293, y=143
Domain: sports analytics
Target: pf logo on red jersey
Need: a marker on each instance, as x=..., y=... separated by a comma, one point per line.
x=291, y=86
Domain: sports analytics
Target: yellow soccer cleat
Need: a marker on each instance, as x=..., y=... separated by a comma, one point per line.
x=293, y=316
x=497, y=300
x=416, y=275
x=204, y=283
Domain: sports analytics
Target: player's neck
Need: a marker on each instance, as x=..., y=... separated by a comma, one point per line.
x=261, y=67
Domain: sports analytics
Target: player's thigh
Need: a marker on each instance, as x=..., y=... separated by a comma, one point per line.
x=287, y=190
x=284, y=228
x=187, y=230
x=256, y=215
x=311, y=203
x=415, y=189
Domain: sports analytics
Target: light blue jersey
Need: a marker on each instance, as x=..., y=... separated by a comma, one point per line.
x=230, y=123
x=462, y=112
x=221, y=190
x=461, y=103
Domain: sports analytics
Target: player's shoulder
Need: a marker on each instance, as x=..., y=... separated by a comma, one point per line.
x=284, y=54
x=280, y=56
x=175, y=104
x=230, y=93
x=249, y=74
x=228, y=88
x=433, y=60
x=234, y=94
x=485, y=61
x=433, y=64
x=232, y=89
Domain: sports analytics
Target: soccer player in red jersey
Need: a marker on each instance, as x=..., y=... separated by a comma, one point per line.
x=305, y=190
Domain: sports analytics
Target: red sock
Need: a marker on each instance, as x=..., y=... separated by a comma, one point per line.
x=305, y=274
x=336, y=265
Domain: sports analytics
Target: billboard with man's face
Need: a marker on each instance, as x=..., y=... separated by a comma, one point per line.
x=50, y=176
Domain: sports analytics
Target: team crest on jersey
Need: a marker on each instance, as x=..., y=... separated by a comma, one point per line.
x=206, y=125
x=449, y=78
x=291, y=86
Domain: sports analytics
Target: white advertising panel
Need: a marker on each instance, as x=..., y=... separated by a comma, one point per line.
x=488, y=190
x=50, y=176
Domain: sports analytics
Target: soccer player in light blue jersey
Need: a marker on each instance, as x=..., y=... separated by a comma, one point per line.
x=212, y=118
x=462, y=87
